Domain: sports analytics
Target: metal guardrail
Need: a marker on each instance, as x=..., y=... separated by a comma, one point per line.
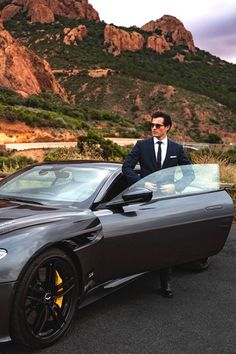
x=199, y=146
x=44, y=145
x=119, y=141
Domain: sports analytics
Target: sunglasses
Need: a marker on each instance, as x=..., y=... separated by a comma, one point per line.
x=157, y=126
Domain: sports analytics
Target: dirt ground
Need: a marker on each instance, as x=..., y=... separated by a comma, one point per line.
x=19, y=132
x=35, y=154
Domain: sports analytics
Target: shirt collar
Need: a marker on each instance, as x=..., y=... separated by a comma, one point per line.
x=164, y=141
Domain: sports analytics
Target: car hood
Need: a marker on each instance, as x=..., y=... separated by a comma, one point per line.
x=16, y=215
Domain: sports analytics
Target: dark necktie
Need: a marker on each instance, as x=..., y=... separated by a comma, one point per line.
x=159, y=155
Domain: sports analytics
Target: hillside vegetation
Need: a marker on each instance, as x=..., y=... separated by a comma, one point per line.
x=199, y=93
x=201, y=72
x=48, y=111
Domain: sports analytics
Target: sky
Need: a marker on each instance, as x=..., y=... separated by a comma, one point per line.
x=211, y=22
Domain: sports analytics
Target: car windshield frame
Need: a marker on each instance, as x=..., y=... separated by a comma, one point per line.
x=37, y=184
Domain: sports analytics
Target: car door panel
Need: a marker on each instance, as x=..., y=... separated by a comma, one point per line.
x=164, y=232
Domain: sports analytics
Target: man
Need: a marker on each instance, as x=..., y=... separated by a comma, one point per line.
x=154, y=154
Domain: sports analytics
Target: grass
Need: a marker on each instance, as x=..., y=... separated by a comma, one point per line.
x=10, y=164
x=227, y=169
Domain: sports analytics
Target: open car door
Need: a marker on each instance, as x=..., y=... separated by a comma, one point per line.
x=188, y=221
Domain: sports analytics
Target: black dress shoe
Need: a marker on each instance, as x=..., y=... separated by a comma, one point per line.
x=166, y=290
x=167, y=293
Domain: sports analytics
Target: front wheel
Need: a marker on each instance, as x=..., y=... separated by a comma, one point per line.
x=45, y=300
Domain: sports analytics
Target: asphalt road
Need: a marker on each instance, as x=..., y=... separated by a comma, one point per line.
x=200, y=319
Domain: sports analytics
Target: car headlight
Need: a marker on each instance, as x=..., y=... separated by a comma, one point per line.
x=3, y=253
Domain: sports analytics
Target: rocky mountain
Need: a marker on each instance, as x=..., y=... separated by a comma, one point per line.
x=117, y=40
x=164, y=33
x=172, y=30
x=23, y=71
x=44, y=11
x=128, y=72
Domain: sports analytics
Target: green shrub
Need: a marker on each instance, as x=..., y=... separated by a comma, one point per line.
x=12, y=163
x=9, y=96
x=214, y=139
x=63, y=154
x=108, y=149
x=45, y=100
x=96, y=114
x=73, y=153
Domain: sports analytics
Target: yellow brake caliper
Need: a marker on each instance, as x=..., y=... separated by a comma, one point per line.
x=58, y=281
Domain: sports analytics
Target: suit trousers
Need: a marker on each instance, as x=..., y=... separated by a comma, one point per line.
x=165, y=276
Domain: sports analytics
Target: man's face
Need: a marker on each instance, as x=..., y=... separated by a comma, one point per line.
x=158, y=129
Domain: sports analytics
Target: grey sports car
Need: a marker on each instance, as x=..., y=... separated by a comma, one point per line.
x=72, y=229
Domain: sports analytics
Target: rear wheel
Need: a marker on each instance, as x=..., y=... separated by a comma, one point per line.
x=45, y=300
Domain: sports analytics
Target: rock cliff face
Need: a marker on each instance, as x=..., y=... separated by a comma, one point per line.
x=23, y=71
x=173, y=30
x=75, y=34
x=158, y=43
x=116, y=40
x=44, y=11
x=165, y=33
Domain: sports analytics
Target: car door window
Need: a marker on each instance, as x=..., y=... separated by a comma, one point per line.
x=119, y=185
x=181, y=180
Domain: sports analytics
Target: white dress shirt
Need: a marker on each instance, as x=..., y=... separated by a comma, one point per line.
x=163, y=148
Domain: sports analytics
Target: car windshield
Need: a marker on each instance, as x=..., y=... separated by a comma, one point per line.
x=71, y=184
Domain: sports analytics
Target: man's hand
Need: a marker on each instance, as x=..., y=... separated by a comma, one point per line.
x=167, y=188
x=150, y=186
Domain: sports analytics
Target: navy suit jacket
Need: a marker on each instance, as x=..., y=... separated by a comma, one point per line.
x=144, y=153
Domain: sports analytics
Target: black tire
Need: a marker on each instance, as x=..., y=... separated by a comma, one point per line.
x=45, y=300
x=200, y=265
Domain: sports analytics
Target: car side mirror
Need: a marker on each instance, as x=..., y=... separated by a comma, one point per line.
x=136, y=195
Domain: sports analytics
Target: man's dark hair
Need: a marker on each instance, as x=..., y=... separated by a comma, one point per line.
x=166, y=118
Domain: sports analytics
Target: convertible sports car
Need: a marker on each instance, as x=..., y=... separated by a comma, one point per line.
x=71, y=229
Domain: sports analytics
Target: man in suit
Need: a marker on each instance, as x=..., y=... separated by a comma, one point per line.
x=154, y=154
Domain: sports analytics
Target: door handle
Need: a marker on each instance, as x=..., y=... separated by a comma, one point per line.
x=214, y=207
